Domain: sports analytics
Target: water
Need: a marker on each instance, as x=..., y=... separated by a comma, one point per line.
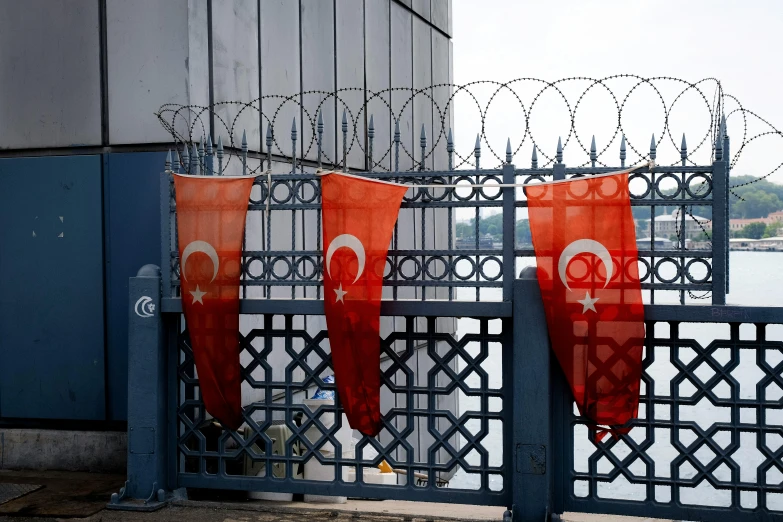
x=756, y=280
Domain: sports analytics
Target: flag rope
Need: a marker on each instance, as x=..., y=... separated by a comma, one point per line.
x=648, y=165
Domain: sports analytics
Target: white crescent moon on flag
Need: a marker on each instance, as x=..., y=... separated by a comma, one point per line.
x=584, y=246
x=349, y=241
x=204, y=248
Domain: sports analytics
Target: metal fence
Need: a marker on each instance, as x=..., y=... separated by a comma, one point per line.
x=426, y=252
x=474, y=410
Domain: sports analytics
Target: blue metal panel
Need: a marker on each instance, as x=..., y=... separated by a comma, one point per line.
x=132, y=240
x=51, y=276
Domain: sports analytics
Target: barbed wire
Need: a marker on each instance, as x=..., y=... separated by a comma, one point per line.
x=188, y=124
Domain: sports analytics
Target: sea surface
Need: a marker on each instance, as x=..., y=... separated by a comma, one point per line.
x=756, y=280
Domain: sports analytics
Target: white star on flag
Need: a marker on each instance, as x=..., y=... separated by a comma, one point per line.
x=197, y=295
x=340, y=294
x=588, y=303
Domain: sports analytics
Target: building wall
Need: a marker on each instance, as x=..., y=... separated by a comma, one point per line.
x=84, y=77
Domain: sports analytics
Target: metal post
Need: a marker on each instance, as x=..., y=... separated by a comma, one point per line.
x=531, y=440
x=147, y=398
x=558, y=171
x=509, y=231
x=720, y=240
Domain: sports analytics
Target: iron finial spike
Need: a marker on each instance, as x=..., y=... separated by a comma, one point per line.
x=653, y=147
x=534, y=158
x=168, y=160
x=209, y=144
x=723, y=125
x=293, y=129
x=450, y=142
x=593, y=155
x=371, y=128
x=509, y=155
x=320, y=121
x=244, y=139
x=423, y=137
x=622, y=151
x=478, y=142
x=220, y=155
x=268, y=134
x=592, y=145
x=559, y=153
x=345, y=121
x=683, y=144
x=194, y=160
x=397, y=130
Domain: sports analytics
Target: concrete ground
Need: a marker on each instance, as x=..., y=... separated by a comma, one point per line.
x=83, y=496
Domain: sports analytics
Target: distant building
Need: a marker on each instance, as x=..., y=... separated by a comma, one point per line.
x=669, y=224
x=739, y=224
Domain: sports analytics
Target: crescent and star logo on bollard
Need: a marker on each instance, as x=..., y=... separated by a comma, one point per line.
x=144, y=307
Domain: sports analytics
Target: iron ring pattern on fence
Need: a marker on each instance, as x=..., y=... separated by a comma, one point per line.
x=423, y=372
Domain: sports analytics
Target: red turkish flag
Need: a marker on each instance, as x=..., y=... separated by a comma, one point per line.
x=211, y=213
x=358, y=221
x=583, y=231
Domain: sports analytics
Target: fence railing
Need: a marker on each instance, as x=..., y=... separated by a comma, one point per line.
x=475, y=410
x=447, y=245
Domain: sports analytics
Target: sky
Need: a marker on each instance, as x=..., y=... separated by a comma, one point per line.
x=733, y=42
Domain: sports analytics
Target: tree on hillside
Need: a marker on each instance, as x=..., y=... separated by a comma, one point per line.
x=493, y=225
x=756, y=204
x=752, y=231
x=774, y=229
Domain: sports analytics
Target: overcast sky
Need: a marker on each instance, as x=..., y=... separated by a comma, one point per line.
x=734, y=42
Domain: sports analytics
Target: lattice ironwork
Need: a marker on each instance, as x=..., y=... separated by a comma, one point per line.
x=446, y=414
x=709, y=433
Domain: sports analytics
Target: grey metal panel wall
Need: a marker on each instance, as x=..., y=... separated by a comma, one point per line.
x=51, y=275
x=235, y=64
x=49, y=74
x=280, y=65
x=350, y=37
x=402, y=76
x=440, y=14
x=422, y=8
x=318, y=71
x=378, y=76
x=148, y=60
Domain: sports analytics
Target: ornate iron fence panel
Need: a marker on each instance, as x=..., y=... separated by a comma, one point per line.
x=709, y=438
x=428, y=443
x=448, y=243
